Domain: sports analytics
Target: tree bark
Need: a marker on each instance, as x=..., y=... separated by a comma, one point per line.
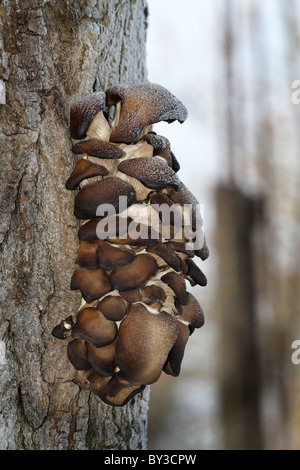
x=53, y=52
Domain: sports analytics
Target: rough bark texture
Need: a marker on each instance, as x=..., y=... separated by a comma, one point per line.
x=53, y=52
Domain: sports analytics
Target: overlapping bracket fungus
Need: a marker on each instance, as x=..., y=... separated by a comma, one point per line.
x=135, y=245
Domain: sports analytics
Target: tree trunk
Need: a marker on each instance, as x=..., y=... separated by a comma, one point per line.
x=53, y=52
x=261, y=142
x=239, y=372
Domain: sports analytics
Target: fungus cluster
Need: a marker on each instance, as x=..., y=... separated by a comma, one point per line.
x=135, y=244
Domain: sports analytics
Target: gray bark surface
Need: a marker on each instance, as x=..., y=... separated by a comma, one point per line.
x=53, y=52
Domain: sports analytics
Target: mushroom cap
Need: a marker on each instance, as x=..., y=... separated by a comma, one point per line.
x=60, y=331
x=120, y=391
x=169, y=213
x=83, y=112
x=173, y=363
x=102, y=359
x=151, y=171
x=167, y=254
x=135, y=274
x=111, y=257
x=107, y=191
x=177, y=283
x=161, y=147
x=92, y=283
x=144, y=342
x=141, y=106
x=87, y=254
x=191, y=312
x=194, y=274
x=203, y=252
x=151, y=294
x=158, y=142
x=92, y=326
x=175, y=163
x=76, y=352
x=83, y=170
x=97, y=148
x=137, y=235
x=113, y=225
x=132, y=295
x=124, y=391
x=94, y=254
x=113, y=307
x=183, y=196
x=184, y=267
x=97, y=382
x=182, y=248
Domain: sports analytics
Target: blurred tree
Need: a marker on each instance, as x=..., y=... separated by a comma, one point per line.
x=259, y=250
x=53, y=52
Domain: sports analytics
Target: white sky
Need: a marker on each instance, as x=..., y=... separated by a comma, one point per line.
x=180, y=56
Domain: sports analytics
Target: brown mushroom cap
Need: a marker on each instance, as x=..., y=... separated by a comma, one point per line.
x=177, y=283
x=102, y=359
x=87, y=255
x=76, y=352
x=158, y=142
x=92, y=283
x=182, y=248
x=120, y=391
x=191, y=312
x=60, y=331
x=144, y=342
x=124, y=391
x=94, y=254
x=167, y=254
x=151, y=294
x=175, y=163
x=83, y=170
x=83, y=112
x=133, y=275
x=152, y=172
x=141, y=106
x=132, y=295
x=183, y=267
x=183, y=196
x=92, y=326
x=97, y=148
x=161, y=147
x=137, y=235
x=173, y=363
x=112, y=307
x=111, y=257
x=97, y=382
x=169, y=213
x=194, y=274
x=106, y=191
x=203, y=252
x=109, y=226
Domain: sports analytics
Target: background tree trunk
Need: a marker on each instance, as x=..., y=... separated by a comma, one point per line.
x=53, y=52
x=261, y=144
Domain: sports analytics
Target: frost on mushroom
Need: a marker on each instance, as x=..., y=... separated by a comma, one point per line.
x=134, y=262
